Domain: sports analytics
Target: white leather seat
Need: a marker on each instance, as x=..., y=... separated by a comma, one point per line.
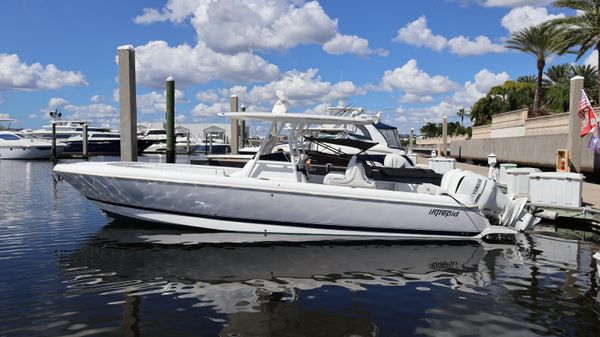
x=354, y=176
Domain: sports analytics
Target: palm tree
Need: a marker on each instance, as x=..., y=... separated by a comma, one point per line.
x=527, y=79
x=590, y=75
x=540, y=41
x=462, y=112
x=581, y=30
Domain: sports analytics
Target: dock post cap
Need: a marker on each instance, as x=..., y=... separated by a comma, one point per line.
x=412, y=129
x=126, y=47
x=170, y=79
x=575, y=78
x=232, y=96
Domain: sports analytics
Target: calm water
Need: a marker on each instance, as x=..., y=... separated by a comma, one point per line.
x=66, y=271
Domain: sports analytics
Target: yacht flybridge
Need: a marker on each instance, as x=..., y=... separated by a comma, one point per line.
x=269, y=195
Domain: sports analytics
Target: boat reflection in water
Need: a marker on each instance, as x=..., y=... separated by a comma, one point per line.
x=248, y=286
x=244, y=278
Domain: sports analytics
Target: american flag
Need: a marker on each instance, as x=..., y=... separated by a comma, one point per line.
x=584, y=106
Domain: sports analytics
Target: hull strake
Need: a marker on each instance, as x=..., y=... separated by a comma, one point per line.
x=266, y=226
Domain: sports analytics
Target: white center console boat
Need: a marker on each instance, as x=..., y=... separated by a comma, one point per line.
x=267, y=196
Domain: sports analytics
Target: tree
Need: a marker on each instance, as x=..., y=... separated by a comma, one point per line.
x=581, y=30
x=462, y=112
x=557, y=87
x=540, y=41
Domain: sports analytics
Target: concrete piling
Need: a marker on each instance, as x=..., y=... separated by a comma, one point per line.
x=234, y=140
x=410, y=140
x=170, y=115
x=574, y=140
x=444, y=136
x=84, y=141
x=127, y=102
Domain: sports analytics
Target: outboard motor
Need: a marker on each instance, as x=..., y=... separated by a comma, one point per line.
x=493, y=203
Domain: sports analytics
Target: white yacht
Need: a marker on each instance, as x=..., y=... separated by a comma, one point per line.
x=14, y=145
x=159, y=136
x=274, y=196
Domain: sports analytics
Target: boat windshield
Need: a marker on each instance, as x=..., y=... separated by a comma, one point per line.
x=391, y=137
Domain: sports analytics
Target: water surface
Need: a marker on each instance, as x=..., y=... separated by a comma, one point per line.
x=67, y=271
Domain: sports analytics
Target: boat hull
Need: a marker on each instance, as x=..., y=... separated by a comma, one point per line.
x=103, y=147
x=225, y=203
x=28, y=152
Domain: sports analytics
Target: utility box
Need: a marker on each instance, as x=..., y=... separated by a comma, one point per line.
x=502, y=176
x=442, y=165
x=518, y=181
x=555, y=189
x=562, y=161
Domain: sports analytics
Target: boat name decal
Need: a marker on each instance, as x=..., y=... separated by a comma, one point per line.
x=441, y=265
x=477, y=186
x=443, y=212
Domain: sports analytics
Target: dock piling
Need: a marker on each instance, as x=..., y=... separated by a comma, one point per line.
x=170, y=114
x=574, y=140
x=410, y=140
x=243, y=129
x=84, y=142
x=234, y=140
x=127, y=103
x=53, y=155
x=445, y=136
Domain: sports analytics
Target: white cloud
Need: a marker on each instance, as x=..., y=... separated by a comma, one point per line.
x=471, y=91
x=592, y=59
x=515, y=3
x=95, y=99
x=15, y=74
x=241, y=26
x=202, y=110
x=526, y=16
x=417, y=33
x=93, y=112
x=181, y=118
x=343, y=44
x=1, y=99
x=154, y=102
x=410, y=79
x=33, y=116
x=303, y=89
x=462, y=46
x=257, y=24
x=412, y=98
x=197, y=65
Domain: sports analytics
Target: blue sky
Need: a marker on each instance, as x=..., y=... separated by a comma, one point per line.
x=415, y=60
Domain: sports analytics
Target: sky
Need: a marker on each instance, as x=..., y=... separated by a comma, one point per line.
x=415, y=61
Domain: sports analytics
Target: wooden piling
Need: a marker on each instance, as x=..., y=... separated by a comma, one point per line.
x=127, y=103
x=53, y=155
x=574, y=140
x=170, y=84
x=84, y=141
x=234, y=140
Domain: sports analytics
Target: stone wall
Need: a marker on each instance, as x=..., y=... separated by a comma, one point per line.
x=538, y=150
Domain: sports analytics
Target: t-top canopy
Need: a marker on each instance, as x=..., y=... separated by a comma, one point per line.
x=302, y=118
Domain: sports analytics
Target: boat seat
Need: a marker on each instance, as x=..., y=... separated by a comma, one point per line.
x=395, y=160
x=354, y=176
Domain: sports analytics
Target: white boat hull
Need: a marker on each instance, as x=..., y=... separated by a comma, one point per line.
x=27, y=152
x=205, y=197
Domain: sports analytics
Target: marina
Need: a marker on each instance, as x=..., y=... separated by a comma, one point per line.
x=73, y=270
x=300, y=168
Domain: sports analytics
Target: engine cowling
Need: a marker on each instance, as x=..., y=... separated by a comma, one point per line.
x=492, y=202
